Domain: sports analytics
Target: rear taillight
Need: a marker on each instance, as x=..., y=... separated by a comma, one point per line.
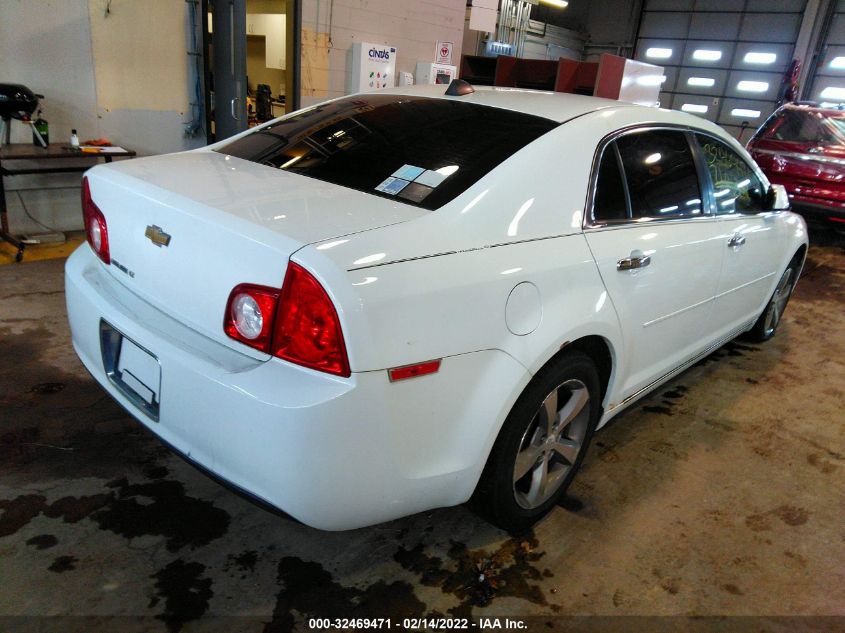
x=298, y=324
x=95, y=225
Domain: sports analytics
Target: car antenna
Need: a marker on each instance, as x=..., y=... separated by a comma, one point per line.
x=459, y=88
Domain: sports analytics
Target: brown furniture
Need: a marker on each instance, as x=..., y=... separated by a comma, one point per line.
x=43, y=157
x=598, y=79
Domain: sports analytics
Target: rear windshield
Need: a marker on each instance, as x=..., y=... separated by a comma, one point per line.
x=806, y=126
x=418, y=150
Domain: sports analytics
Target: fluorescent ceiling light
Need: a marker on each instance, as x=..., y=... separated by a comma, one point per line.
x=705, y=55
x=694, y=107
x=752, y=86
x=759, y=58
x=831, y=92
x=837, y=62
x=560, y=4
x=742, y=112
x=704, y=82
x=659, y=53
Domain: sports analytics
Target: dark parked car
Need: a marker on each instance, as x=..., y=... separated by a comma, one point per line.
x=802, y=146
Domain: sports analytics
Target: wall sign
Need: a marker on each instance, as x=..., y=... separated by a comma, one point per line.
x=373, y=67
x=443, y=54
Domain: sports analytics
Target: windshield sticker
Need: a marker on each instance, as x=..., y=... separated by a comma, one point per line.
x=408, y=172
x=391, y=186
x=415, y=192
x=430, y=178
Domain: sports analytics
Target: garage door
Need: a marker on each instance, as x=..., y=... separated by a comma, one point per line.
x=724, y=59
x=828, y=81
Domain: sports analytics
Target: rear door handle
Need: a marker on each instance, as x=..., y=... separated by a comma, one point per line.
x=736, y=240
x=632, y=262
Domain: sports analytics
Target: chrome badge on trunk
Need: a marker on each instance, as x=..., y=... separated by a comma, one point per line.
x=157, y=236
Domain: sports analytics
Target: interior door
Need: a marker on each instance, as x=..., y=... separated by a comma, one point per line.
x=229, y=67
x=751, y=237
x=657, y=251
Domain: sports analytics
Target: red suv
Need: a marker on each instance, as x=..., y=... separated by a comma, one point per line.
x=802, y=146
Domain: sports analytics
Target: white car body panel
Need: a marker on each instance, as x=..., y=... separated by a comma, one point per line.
x=495, y=283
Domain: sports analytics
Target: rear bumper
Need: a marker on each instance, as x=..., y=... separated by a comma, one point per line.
x=334, y=453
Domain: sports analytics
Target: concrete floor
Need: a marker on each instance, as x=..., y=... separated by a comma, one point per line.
x=721, y=494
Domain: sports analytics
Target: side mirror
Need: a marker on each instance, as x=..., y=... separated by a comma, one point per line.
x=778, y=198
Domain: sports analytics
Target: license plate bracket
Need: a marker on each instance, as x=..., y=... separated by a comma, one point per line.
x=135, y=371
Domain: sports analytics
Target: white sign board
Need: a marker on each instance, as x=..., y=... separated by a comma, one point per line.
x=443, y=53
x=373, y=67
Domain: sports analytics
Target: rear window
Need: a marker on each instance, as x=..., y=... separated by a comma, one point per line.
x=418, y=150
x=806, y=126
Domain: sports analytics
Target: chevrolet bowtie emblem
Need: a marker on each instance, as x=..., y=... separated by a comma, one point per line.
x=157, y=236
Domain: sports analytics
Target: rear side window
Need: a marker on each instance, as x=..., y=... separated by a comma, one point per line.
x=661, y=175
x=418, y=150
x=609, y=203
x=736, y=188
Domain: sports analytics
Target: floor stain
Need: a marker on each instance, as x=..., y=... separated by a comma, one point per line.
x=185, y=592
x=477, y=577
x=63, y=564
x=309, y=590
x=43, y=541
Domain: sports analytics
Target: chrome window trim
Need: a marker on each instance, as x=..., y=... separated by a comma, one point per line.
x=588, y=222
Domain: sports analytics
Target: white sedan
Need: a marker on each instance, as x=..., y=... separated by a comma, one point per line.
x=397, y=301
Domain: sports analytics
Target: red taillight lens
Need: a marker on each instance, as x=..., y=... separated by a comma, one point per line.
x=299, y=324
x=95, y=225
x=307, y=329
x=250, y=312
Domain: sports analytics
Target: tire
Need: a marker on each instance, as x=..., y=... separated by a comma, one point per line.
x=536, y=456
x=767, y=323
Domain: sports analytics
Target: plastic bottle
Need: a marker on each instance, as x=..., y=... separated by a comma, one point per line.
x=43, y=129
x=74, y=139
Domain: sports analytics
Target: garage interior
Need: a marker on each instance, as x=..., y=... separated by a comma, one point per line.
x=714, y=504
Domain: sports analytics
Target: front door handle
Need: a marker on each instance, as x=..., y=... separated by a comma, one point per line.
x=736, y=240
x=632, y=262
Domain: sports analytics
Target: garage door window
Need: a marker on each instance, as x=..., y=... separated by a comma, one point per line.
x=661, y=175
x=736, y=188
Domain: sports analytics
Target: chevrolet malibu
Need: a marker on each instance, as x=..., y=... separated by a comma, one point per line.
x=397, y=301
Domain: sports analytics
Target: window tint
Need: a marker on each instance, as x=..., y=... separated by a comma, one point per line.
x=735, y=186
x=609, y=203
x=661, y=174
x=417, y=150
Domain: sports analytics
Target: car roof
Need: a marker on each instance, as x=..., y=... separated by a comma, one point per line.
x=557, y=106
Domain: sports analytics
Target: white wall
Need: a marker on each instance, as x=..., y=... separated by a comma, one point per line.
x=123, y=76
x=412, y=26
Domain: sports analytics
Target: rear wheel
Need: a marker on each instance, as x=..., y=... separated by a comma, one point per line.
x=768, y=322
x=541, y=444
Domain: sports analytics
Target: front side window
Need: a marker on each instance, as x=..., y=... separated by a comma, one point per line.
x=661, y=174
x=736, y=188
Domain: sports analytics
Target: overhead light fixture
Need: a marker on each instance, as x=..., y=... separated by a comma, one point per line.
x=694, y=108
x=838, y=63
x=759, y=58
x=752, y=86
x=560, y=4
x=703, y=82
x=746, y=114
x=705, y=55
x=658, y=53
x=832, y=92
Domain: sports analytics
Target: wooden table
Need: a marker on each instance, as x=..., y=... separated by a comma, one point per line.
x=43, y=156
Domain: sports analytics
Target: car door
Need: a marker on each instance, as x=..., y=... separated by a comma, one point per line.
x=656, y=249
x=750, y=235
